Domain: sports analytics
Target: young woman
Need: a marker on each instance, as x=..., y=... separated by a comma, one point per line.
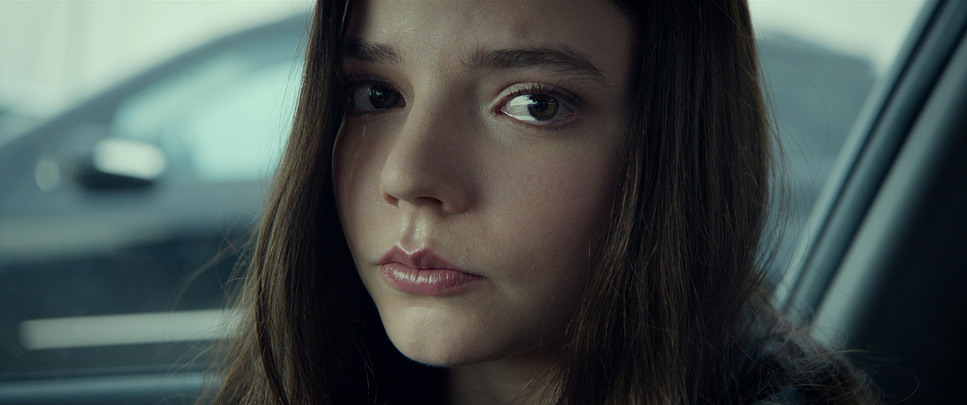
x=523, y=202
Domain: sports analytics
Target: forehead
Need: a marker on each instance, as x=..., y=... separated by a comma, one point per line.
x=434, y=29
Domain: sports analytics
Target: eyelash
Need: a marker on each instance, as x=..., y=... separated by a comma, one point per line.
x=571, y=99
x=353, y=81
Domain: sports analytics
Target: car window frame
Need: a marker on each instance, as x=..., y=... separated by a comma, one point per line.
x=867, y=156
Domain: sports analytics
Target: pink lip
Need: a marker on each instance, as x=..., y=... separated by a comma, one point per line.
x=424, y=273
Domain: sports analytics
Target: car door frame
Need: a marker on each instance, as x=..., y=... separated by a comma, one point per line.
x=885, y=270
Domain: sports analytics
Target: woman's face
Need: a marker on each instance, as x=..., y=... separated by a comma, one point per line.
x=475, y=169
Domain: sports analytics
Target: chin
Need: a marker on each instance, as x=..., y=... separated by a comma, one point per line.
x=436, y=359
x=438, y=340
x=440, y=350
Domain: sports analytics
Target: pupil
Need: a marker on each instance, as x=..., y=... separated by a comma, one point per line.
x=542, y=107
x=382, y=97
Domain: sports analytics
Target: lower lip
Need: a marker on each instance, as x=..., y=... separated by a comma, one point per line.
x=434, y=282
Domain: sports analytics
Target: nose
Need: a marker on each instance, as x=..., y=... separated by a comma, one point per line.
x=430, y=164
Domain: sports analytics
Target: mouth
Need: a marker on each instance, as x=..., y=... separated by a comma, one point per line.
x=424, y=273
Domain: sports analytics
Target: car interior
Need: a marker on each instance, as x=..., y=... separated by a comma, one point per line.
x=880, y=269
x=885, y=273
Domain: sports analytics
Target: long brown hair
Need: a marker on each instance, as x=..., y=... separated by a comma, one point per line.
x=674, y=312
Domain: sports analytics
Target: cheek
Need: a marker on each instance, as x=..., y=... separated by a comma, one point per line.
x=554, y=213
x=555, y=229
x=562, y=198
x=354, y=172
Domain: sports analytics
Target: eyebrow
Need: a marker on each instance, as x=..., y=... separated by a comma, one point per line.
x=370, y=52
x=562, y=60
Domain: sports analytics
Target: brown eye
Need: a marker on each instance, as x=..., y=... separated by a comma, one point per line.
x=383, y=97
x=374, y=97
x=542, y=107
x=537, y=109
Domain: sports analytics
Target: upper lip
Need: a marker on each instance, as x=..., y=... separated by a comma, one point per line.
x=423, y=259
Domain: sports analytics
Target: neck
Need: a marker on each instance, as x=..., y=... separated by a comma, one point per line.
x=519, y=380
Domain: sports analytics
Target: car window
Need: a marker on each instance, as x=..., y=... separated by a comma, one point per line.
x=820, y=63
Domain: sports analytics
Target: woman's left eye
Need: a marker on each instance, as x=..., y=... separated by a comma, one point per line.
x=537, y=109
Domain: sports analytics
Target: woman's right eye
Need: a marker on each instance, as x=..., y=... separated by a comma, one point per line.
x=372, y=97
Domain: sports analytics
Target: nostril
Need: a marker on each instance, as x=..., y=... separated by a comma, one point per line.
x=415, y=200
x=440, y=195
x=390, y=199
x=430, y=201
x=424, y=169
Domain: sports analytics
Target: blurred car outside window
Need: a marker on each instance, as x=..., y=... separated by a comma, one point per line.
x=122, y=218
x=214, y=118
